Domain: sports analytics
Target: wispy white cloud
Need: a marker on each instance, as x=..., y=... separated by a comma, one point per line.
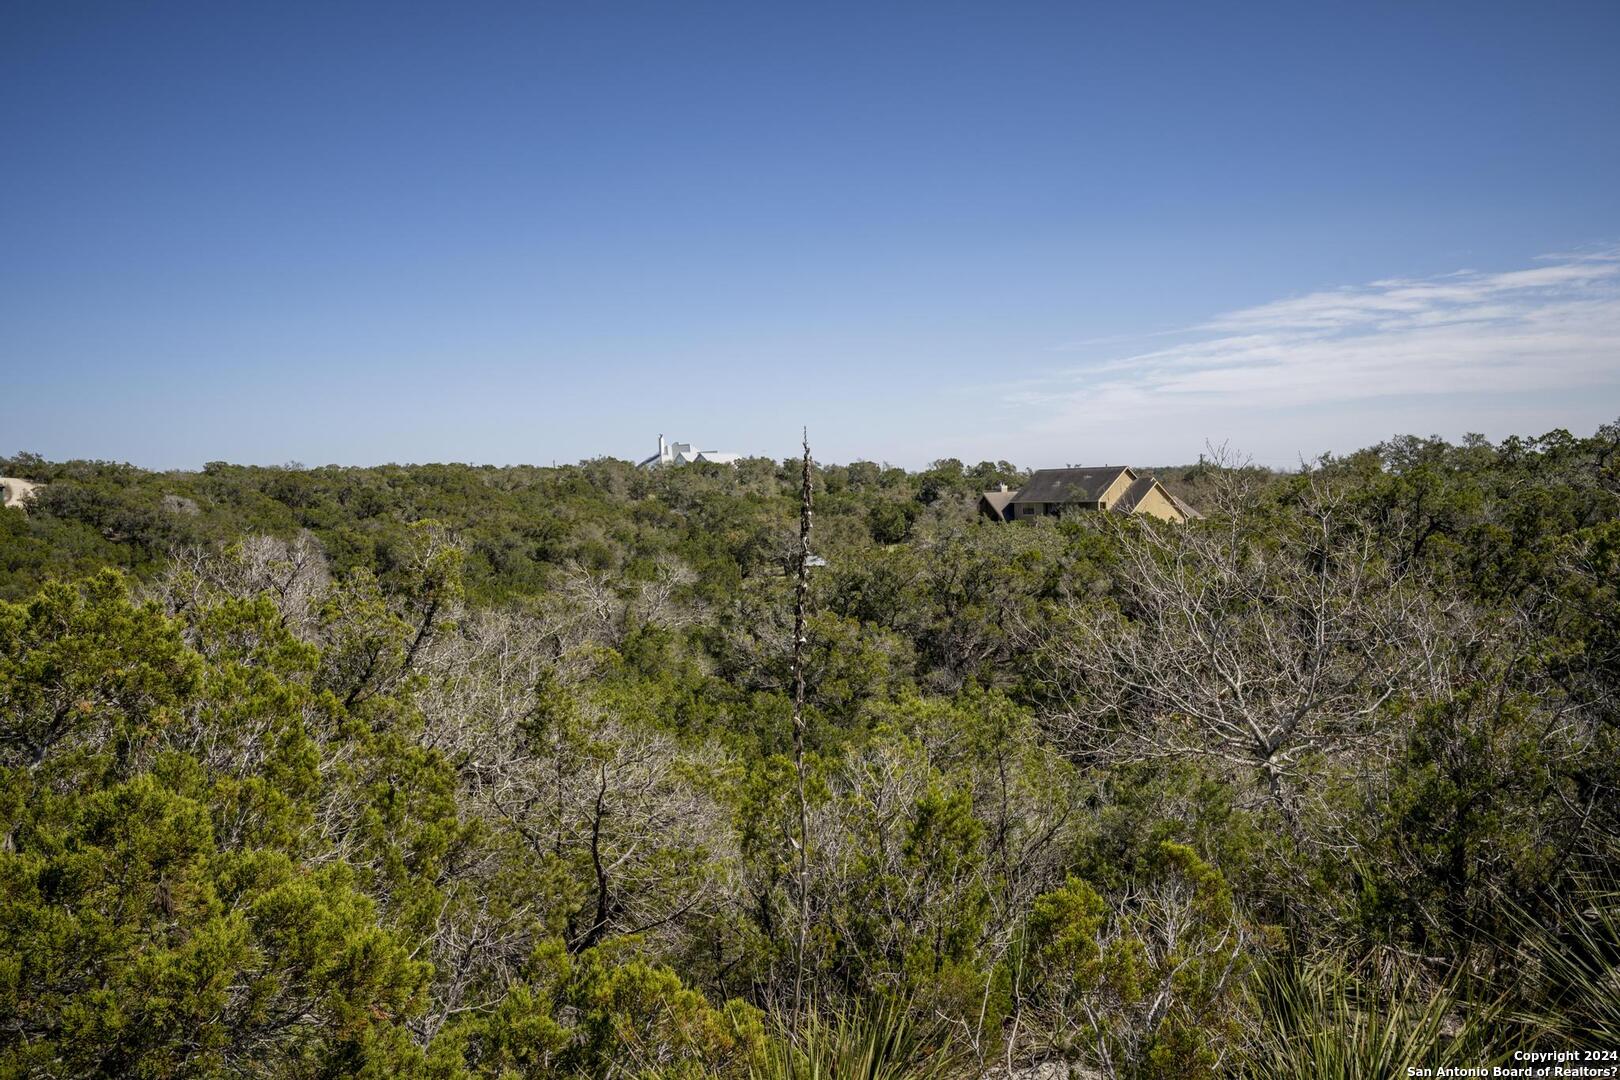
x=1553, y=326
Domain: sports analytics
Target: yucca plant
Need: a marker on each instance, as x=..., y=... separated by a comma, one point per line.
x=1317, y=1020
x=1576, y=947
x=880, y=1042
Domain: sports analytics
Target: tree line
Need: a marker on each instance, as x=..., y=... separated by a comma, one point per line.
x=455, y=771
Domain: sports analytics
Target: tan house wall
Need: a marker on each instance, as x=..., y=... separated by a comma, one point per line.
x=1124, y=480
x=1155, y=502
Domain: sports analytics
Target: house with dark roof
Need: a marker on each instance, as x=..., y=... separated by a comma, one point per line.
x=1118, y=488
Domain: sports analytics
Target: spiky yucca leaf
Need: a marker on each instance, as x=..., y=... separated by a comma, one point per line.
x=1577, y=948
x=878, y=1043
x=1316, y=1020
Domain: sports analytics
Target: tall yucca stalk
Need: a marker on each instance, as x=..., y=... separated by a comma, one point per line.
x=800, y=602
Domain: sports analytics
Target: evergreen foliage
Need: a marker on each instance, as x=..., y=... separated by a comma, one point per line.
x=450, y=771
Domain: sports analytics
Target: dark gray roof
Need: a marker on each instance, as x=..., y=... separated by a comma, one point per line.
x=1134, y=494
x=1069, y=485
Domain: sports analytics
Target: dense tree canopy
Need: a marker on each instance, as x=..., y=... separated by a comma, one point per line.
x=454, y=771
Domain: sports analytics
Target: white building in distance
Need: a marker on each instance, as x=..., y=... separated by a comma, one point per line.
x=681, y=453
x=15, y=493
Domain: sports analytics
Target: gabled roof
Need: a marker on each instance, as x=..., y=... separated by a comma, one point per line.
x=1138, y=491
x=1134, y=494
x=1070, y=485
x=1183, y=507
x=998, y=500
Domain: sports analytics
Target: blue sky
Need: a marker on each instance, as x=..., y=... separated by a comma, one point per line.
x=335, y=232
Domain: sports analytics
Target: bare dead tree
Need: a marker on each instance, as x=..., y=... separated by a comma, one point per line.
x=595, y=604
x=293, y=573
x=658, y=602
x=1257, y=650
